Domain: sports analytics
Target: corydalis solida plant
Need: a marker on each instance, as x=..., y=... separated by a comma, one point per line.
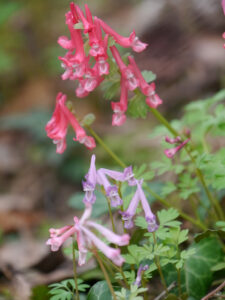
x=90, y=68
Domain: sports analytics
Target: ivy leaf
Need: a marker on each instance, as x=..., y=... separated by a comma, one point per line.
x=99, y=291
x=197, y=274
x=148, y=76
x=219, y=266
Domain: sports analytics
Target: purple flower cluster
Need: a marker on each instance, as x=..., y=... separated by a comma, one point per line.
x=101, y=176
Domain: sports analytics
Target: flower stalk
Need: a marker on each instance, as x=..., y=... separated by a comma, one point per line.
x=105, y=273
x=157, y=262
x=77, y=297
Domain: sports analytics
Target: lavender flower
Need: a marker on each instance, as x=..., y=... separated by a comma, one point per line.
x=128, y=215
x=126, y=175
x=141, y=270
x=149, y=216
x=111, y=191
x=90, y=183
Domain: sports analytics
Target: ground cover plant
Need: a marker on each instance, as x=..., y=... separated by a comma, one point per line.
x=180, y=247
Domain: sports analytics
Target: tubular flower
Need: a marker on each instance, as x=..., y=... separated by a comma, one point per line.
x=149, y=216
x=224, y=38
x=119, y=108
x=86, y=239
x=140, y=271
x=126, y=71
x=153, y=100
x=92, y=79
x=172, y=151
x=88, y=24
x=56, y=128
x=111, y=191
x=173, y=140
x=90, y=183
x=126, y=175
x=90, y=72
x=81, y=136
x=223, y=6
x=127, y=42
x=73, y=62
x=128, y=215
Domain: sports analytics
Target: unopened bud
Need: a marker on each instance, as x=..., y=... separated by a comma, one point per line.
x=88, y=120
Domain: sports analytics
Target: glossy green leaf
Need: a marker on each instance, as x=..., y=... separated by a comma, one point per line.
x=99, y=291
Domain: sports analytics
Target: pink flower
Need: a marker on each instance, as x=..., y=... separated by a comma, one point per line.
x=98, y=45
x=153, y=100
x=75, y=64
x=88, y=24
x=102, y=65
x=86, y=238
x=126, y=72
x=80, y=91
x=60, y=237
x=56, y=128
x=224, y=38
x=173, y=140
x=127, y=42
x=92, y=79
x=119, y=108
x=81, y=136
x=172, y=151
x=223, y=6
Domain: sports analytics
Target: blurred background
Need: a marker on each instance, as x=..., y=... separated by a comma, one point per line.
x=185, y=52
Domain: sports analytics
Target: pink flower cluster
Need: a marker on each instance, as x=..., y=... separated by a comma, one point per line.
x=86, y=239
x=89, y=68
x=178, y=141
x=57, y=127
x=81, y=228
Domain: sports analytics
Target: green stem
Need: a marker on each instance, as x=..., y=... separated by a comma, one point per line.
x=194, y=208
x=121, y=207
x=157, y=262
x=75, y=272
x=114, y=230
x=105, y=274
x=179, y=283
x=108, y=263
x=161, y=200
x=215, y=204
x=107, y=149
